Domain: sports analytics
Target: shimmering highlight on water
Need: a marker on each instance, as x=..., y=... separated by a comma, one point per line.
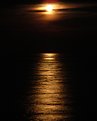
x=48, y=97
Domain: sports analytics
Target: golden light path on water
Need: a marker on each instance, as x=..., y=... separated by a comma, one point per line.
x=49, y=97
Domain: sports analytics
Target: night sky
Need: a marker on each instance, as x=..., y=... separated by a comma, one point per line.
x=39, y=1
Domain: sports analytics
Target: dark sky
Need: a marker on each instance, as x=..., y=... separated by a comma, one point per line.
x=38, y=1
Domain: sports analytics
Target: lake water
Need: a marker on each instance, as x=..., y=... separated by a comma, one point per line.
x=49, y=96
x=47, y=93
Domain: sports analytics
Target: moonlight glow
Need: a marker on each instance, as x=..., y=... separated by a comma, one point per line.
x=49, y=8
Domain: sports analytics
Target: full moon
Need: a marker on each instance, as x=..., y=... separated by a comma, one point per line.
x=49, y=8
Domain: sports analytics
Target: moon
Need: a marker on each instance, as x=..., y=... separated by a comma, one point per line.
x=49, y=8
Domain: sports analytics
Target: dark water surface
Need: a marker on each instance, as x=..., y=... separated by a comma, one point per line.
x=50, y=87
x=49, y=95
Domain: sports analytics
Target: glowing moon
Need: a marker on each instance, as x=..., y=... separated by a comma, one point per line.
x=49, y=8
